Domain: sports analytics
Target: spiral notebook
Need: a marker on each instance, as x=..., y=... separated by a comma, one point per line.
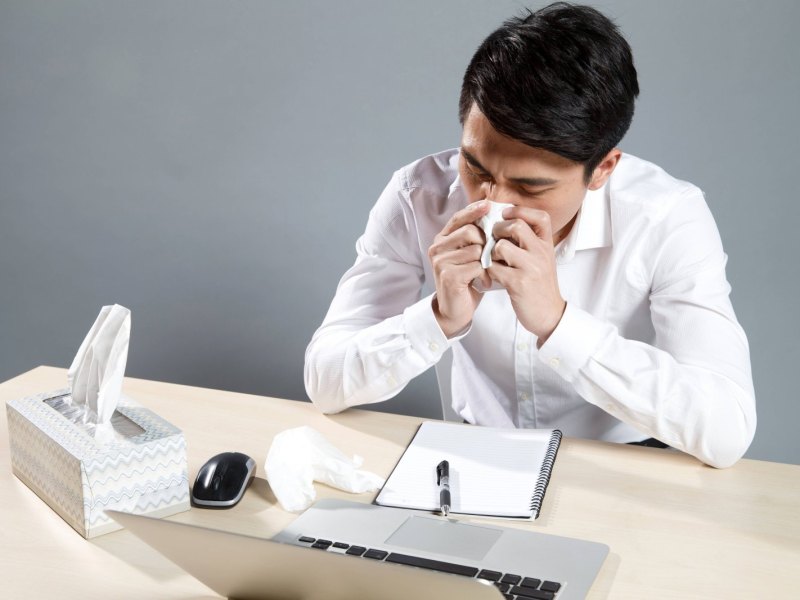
x=493, y=472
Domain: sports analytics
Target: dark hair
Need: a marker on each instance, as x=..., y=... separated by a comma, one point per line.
x=561, y=79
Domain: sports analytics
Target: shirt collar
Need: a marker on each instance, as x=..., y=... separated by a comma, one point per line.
x=592, y=228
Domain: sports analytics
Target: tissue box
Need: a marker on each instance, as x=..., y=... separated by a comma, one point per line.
x=143, y=471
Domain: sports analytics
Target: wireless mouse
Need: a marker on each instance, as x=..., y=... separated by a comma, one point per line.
x=221, y=482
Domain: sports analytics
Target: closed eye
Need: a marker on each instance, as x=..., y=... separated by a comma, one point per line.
x=478, y=174
x=532, y=193
x=474, y=168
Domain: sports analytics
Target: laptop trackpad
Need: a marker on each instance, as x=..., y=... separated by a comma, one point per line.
x=445, y=537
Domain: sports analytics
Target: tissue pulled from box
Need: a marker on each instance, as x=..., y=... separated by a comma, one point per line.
x=96, y=374
x=302, y=455
x=486, y=223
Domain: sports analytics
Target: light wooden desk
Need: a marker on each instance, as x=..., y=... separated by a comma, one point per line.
x=676, y=528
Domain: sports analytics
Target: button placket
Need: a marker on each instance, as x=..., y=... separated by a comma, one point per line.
x=523, y=374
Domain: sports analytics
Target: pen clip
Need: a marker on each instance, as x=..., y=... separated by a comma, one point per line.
x=441, y=469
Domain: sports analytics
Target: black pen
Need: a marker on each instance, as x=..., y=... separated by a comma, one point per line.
x=443, y=481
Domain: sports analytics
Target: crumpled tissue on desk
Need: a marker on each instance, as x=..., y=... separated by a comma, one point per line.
x=298, y=457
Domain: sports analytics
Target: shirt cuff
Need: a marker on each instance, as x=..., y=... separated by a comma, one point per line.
x=573, y=342
x=423, y=330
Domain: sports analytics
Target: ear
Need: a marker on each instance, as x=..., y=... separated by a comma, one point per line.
x=602, y=171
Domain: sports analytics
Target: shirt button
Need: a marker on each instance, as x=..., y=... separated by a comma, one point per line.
x=524, y=396
x=522, y=346
x=554, y=362
x=433, y=346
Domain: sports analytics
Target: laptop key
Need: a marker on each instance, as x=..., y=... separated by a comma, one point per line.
x=341, y=545
x=434, y=565
x=307, y=540
x=490, y=575
x=526, y=593
x=512, y=579
x=503, y=587
x=550, y=586
x=377, y=554
x=320, y=545
x=356, y=550
x=531, y=582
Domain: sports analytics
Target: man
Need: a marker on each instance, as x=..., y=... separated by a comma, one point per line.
x=613, y=319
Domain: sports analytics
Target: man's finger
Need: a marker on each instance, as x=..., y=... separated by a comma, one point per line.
x=459, y=256
x=537, y=220
x=465, y=237
x=507, y=253
x=457, y=276
x=516, y=231
x=483, y=282
x=502, y=274
x=465, y=216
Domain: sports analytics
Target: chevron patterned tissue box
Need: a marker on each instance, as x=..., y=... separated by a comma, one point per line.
x=140, y=468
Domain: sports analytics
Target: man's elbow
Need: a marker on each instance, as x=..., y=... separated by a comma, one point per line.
x=729, y=439
x=327, y=406
x=329, y=401
x=726, y=454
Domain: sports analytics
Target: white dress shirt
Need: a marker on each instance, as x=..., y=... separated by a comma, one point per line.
x=648, y=346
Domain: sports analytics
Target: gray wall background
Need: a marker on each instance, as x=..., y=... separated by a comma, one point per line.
x=210, y=165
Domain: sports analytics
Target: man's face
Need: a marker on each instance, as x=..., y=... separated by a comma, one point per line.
x=498, y=168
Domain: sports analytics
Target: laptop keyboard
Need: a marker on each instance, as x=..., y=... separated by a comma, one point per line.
x=513, y=587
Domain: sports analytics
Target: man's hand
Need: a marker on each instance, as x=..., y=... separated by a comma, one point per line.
x=523, y=262
x=456, y=259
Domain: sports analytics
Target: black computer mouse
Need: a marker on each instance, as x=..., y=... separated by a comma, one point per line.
x=221, y=482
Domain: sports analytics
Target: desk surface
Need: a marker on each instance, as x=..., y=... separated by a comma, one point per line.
x=676, y=528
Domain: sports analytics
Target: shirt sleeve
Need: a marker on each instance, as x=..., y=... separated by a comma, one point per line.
x=379, y=332
x=692, y=388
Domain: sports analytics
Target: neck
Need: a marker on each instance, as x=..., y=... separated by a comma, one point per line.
x=559, y=235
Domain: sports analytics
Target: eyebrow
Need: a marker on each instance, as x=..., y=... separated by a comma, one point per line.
x=530, y=181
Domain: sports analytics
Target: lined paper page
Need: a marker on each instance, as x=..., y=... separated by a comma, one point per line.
x=492, y=471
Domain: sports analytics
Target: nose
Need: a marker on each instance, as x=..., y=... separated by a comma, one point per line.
x=495, y=193
x=489, y=190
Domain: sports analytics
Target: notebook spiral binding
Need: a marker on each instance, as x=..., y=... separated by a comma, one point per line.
x=544, y=474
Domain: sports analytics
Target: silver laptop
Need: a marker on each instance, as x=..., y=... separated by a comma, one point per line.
x=349, y=550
